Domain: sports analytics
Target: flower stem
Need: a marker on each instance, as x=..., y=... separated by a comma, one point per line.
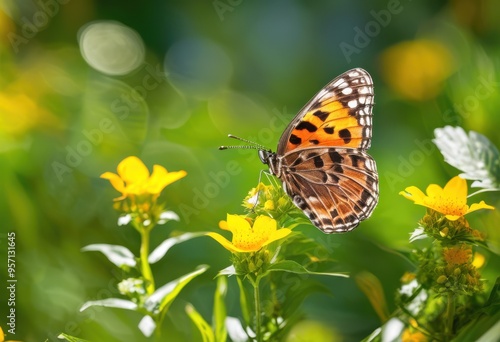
x=256, y=297
x=450, y=315
x=145, y=267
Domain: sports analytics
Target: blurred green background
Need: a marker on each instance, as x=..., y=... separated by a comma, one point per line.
x=86, y=83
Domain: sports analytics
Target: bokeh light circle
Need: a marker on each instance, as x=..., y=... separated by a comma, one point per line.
x=111, y=47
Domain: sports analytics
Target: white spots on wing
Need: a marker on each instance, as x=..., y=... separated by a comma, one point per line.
x=347, y=91
x=369, y=202
x=364, y=90
x=352, y=103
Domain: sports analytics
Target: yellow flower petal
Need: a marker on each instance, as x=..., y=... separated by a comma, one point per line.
x=223, y=225
x=224, y=242
x=413, y=194
x=278, y=234
x=480, y=205
x=237, y=223
x=115, y=181
x=264, y=225
x=434, y=190
x=133, y=170
x=160, y=178
x=457, y=187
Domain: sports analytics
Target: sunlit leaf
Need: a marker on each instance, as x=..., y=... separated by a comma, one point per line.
x=164, y=296
x=473, y=154
x=111, y=303
x=235, y=330
x=160, y=251
x=203, y=327
x=228, y=271
x=373, y=290
x=70, y=338
x=147, y=326
x=168, y=216
x=219, y=315
x=390, y=331
x=418, y=234
x=294, y=267
x=118, y=255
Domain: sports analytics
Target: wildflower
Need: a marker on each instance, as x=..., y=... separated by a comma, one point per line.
x=133, y=178
x=450, y=201
x=247, y=237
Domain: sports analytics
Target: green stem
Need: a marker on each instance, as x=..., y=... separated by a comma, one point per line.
x=145, y=267
x=450, y=316
x=256, y=297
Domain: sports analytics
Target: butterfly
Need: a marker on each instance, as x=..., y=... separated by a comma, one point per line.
x=321, y=158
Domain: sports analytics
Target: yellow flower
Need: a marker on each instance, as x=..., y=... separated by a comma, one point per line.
x=248, y=238
x=450, y=201
x=408, y=277
x=416, y=336
x=479, y=260
x=133, y=178
x=457, y=255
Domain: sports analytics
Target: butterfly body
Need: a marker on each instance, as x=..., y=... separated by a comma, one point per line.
x=321, y=157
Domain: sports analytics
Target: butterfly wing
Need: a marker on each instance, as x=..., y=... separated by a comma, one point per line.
x=335, y=187
x=340, y=115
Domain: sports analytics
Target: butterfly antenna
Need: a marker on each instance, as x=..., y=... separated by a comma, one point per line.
x=252, y=145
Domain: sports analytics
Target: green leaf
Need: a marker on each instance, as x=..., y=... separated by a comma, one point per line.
x=203, y=327
x=163, y=248
x=118, y=255
x=483, y=329
x=473, y=154
x=219, y=315
x=493, y=302
x=111, y=303
x=70, y=338
x=161, y=299
x=295, y=267
x=245, y=308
